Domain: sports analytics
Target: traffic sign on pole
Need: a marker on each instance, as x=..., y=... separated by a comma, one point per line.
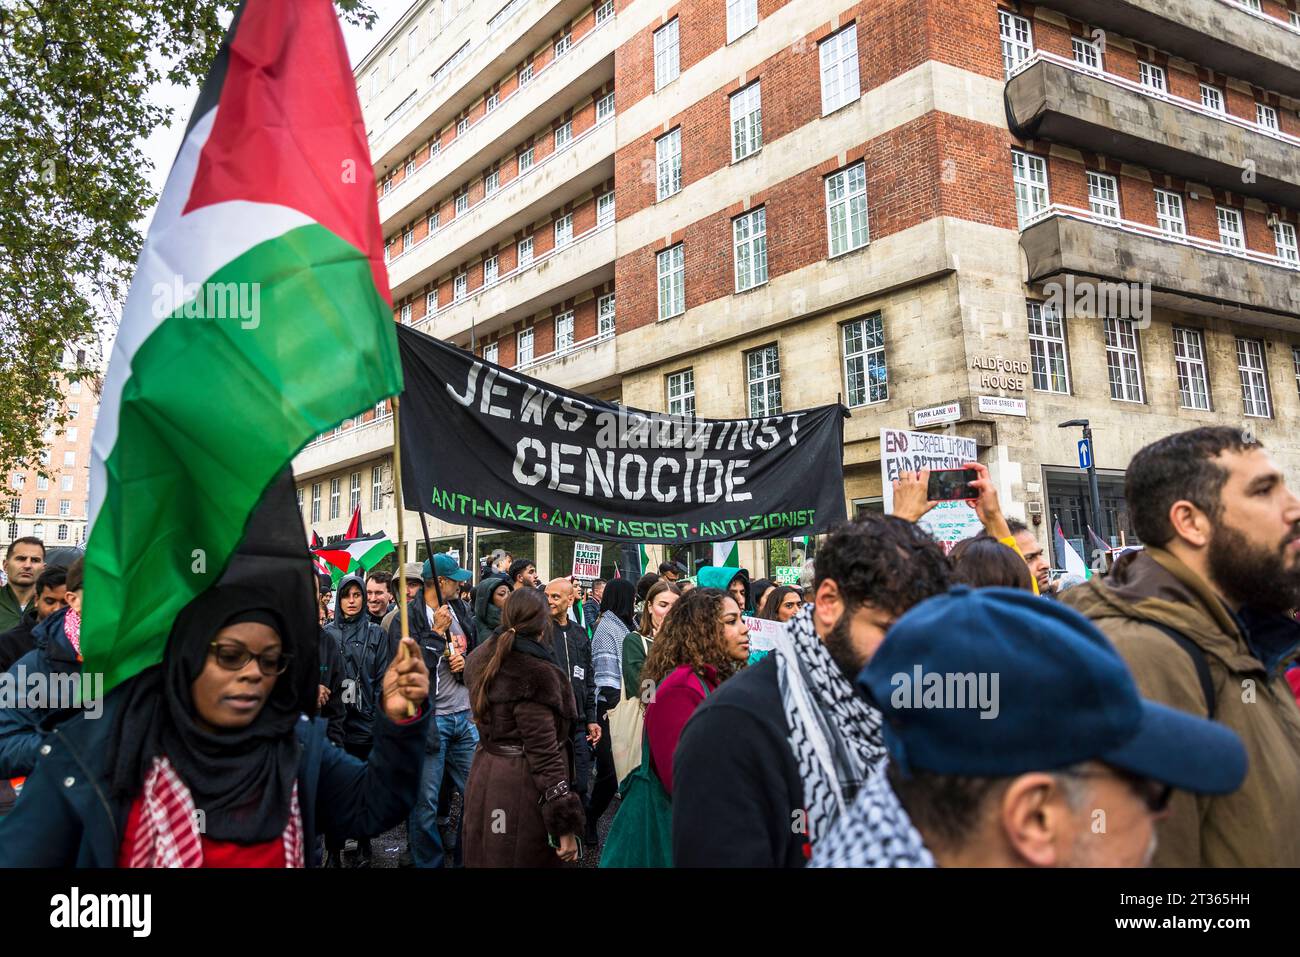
x=1085, y=454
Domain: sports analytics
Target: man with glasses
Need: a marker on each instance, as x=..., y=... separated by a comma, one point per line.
x=1017, y=738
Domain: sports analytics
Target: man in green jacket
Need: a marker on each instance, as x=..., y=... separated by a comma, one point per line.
x=24, y=562
x=1201, y=616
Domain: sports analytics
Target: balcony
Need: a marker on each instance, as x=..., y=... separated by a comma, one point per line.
x=1054, y=98
x=338, y=450
x=583, y=164
x=1186, y=273
x=552, y=277
x=447, y=92
x=557, y=87
x=586, y=366
x=1220, y=34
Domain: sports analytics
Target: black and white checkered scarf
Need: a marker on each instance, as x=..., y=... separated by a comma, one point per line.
x=834, y=733
x=874, y=832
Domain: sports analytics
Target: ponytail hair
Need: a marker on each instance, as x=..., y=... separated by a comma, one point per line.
x=526, y=615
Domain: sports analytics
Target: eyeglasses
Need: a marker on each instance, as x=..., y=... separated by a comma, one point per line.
x=233, y=657
x=1154, y=794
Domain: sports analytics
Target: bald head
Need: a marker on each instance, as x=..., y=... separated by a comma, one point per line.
x=559, y=595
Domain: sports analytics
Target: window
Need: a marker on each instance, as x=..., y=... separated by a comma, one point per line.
x=69, y=459
x=681, y=392
x=392, y=65
x=1047, y=355
x=1017, y=40
x=564, y=332
x=1152, y=77
x=13, y=531
x=491, y=182
x=524, y=350
x=431, y=302
x=668, y=164
x=298, y=496
x=376, y=488
x=749, y=239
x=563, y=44
x=412, y=43
x=63, y=533
x=376, y=82
x=38, y=530
x=334, y=498
x=388, y=185
x=1189, y=363
x=1086, y=53
x=605, y=107
x=44, y=456
x=605, y=209
x=435, y=148
x=74, y=388
x=1295, y=365
x=667, y=54
x=526, y=75
x=1266, y=116
x=526, y=160
x=846, y=209
x=564, y=231
x=40, y=506
x=74, y=409
x=1122, y=364
x=490, y=352
x=866, y=377
x=462, y=203
x=1254, y=378
x=490, y=270
x=381, y=409
x=460, y=287
x=746, y=122
x=525, y=251
x=1103, y=195
x=462, y=125
x=763, y=376
x=406, y=314
x=65, y=483
x=742, y=16
x=18, y=480
x=42, y=483
x=672, y=281
x=354, y=492
x=1254, y=5
x=408, y=238
x=71, y=434
x=604, y=12
x=410, y=167
x=839, y=66
x=605, y=315
x=13, y=507
x=1029, y=172
x=1293, y=16
x=1211, y=98
x=1230, y=233
x=1284, y=239
x=434, y=218
x=315, y=502
x=1169, y=212
x=492, y=102
x=563, y=135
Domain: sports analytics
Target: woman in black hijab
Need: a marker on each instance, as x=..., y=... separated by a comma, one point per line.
x=209, y=758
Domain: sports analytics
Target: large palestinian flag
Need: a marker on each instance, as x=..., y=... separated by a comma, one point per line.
x=259, y=317
x=353, y=555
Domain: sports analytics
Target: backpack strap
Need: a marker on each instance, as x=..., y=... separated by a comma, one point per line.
x=1198, y=662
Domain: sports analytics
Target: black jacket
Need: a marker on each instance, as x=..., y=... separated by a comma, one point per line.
x=363, y=648
x=331, y=676
x=571, y=650
x=432, y=644
x=737, y=795
x=18, y=640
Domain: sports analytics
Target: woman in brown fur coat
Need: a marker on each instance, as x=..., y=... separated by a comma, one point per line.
x=519, y=811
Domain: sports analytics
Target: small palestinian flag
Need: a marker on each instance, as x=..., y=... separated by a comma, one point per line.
x=354, y=555
x=354, y=526
x=259, y=317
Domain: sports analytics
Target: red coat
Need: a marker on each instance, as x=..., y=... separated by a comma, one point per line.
x=675, y=701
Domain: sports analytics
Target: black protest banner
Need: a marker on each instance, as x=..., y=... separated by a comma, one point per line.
x=484, y=445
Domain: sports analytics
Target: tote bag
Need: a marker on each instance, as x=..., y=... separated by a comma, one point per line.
x=626, y=722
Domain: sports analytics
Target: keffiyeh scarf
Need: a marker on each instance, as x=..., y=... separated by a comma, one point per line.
x=874, y=832
x=834, y=734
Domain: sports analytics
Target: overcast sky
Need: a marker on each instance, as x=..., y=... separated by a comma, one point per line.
x=161, y=147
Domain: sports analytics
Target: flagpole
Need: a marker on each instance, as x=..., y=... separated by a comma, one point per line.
x=401, y=537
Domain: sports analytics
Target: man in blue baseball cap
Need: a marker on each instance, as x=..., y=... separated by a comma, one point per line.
x=443, y=626
x=1016, y=737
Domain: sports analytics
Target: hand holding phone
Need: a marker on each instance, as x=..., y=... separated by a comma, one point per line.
x=951, y=485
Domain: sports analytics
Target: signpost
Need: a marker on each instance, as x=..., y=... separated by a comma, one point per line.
x=586, y=560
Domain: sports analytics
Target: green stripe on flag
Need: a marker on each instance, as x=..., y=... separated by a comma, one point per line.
x=213, y=410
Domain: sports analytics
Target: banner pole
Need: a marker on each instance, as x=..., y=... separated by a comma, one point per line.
x=401, y=537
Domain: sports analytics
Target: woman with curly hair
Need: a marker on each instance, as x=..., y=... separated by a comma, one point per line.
x=703, y=641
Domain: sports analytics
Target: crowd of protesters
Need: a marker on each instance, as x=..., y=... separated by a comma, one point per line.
x=918, y=707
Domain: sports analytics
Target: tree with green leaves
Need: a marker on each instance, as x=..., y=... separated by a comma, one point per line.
x=77, y=101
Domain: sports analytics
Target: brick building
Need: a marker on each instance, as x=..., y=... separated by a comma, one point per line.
x=1086, y=209
x=52, y=507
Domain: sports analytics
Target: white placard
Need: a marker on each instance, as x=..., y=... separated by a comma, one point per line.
x=586, y=560
x=903, y=451
x=762, y=633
